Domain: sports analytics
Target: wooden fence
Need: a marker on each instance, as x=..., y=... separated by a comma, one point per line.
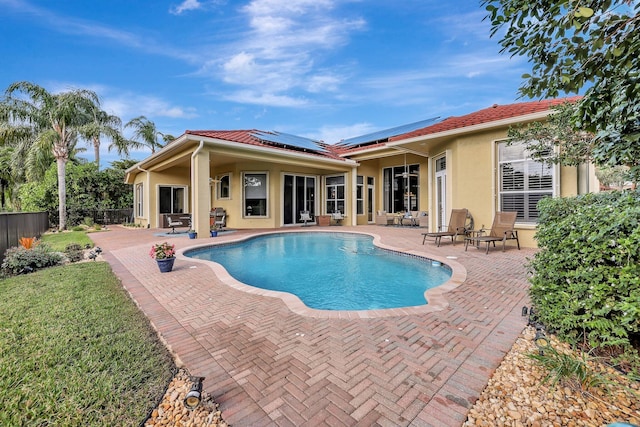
x=13, y=226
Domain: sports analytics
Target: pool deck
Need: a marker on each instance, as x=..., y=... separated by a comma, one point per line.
x=269, y=361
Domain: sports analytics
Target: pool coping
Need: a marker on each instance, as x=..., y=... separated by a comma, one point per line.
x=435, y=296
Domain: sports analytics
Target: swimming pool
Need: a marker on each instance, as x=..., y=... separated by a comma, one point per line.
x=329, y=271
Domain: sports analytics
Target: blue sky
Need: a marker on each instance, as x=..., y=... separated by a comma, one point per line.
x=324, y=69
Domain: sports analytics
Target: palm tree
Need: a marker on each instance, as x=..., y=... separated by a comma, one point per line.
x=145, y=133
x=51, y=121
x=104, y=124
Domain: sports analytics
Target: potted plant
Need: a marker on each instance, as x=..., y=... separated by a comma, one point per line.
x=164, y=254
x=214, y=232
x=192, y=234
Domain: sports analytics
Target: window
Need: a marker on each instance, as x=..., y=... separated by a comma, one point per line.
x=335, y=193
x=139, y=200
x=173, y=199
x=523, y=181
x=400, y=191
x=360, y=195
x=223, y=187
x=255, y=194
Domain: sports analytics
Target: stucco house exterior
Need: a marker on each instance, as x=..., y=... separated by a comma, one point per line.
x=265, y=179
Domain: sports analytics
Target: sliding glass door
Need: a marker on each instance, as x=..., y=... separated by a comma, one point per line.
x=299, y=195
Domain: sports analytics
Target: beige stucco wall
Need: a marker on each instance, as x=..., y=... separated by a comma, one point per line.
x=472, y=179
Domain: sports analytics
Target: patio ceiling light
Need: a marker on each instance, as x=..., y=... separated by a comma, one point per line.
x=194, y=396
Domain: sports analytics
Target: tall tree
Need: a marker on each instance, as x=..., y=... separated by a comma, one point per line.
x=104, y=124
x=52, y=121
x=578, y=44
x=145, y=133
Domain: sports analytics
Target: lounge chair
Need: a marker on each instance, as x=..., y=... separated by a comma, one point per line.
x=305, y=216
x=457, y=227
x=502, y=230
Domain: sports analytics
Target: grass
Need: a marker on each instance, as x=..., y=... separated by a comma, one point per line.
x=59, y=241
x=76, y=351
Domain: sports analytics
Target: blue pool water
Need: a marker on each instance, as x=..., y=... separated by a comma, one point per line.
x=329, y=271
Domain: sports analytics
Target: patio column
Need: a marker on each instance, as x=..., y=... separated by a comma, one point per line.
x=200, y=192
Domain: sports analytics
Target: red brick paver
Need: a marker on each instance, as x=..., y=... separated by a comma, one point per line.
x=270, y=366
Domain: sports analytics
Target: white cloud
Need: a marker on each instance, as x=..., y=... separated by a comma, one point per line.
x=186, y=5
x=285, y=42
x=263, y=98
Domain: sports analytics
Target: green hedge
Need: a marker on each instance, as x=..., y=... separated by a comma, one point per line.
x=586, y=277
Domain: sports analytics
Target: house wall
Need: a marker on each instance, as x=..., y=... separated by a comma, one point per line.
x=234, y=206
x=472, y=179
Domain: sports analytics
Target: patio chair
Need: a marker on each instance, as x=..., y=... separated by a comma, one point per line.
x=305, y=216
x=502, y=230
x=457, y=227
x=382, y=218
x=337, y=217
x=173, y=224
x=219, y=218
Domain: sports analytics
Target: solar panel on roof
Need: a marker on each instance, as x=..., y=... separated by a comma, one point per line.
x=289, y=140
x=387, y=133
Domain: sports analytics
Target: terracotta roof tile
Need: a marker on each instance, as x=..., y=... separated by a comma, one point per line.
x=492, y=114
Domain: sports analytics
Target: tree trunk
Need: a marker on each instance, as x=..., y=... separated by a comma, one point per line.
x=62, y=193
x=96, y=151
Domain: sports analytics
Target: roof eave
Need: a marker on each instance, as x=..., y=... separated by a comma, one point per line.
x=474, y=128
x=189, y=138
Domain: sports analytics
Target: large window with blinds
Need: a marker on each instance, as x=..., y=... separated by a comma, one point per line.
x=523, y=181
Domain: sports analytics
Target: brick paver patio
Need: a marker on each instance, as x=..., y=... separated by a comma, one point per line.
x=270, y=366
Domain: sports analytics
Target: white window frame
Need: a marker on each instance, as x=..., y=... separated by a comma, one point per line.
x=185, y=200
x=360, y=192
x=527, y=164
x=335, y=200
x=245, y=210
x=219, y=183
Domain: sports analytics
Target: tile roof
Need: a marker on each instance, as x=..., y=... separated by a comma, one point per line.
x=492, y=114
x=252, y=137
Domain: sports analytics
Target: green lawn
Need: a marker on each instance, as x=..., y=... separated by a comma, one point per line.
x=59, y=241
x=76, y=351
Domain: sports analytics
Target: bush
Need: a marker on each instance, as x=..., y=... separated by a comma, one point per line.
x=74, y=252
x=77, y=228
x=19, y=260
x=586, y=277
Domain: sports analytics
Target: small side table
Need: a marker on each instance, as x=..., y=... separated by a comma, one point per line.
x=472, y=237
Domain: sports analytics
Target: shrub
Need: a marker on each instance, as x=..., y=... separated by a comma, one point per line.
x=586, y=276
x=77, y=228
x=19, y=260
x=74, y=252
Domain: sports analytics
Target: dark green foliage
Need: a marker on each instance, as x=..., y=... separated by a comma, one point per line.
x=19, y=260
x=87, y=189
x=74, y=252
x=586, y=277
x=573, y=46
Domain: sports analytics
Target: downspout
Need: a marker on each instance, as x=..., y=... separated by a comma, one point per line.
x=193, y=181
x=147, y=206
